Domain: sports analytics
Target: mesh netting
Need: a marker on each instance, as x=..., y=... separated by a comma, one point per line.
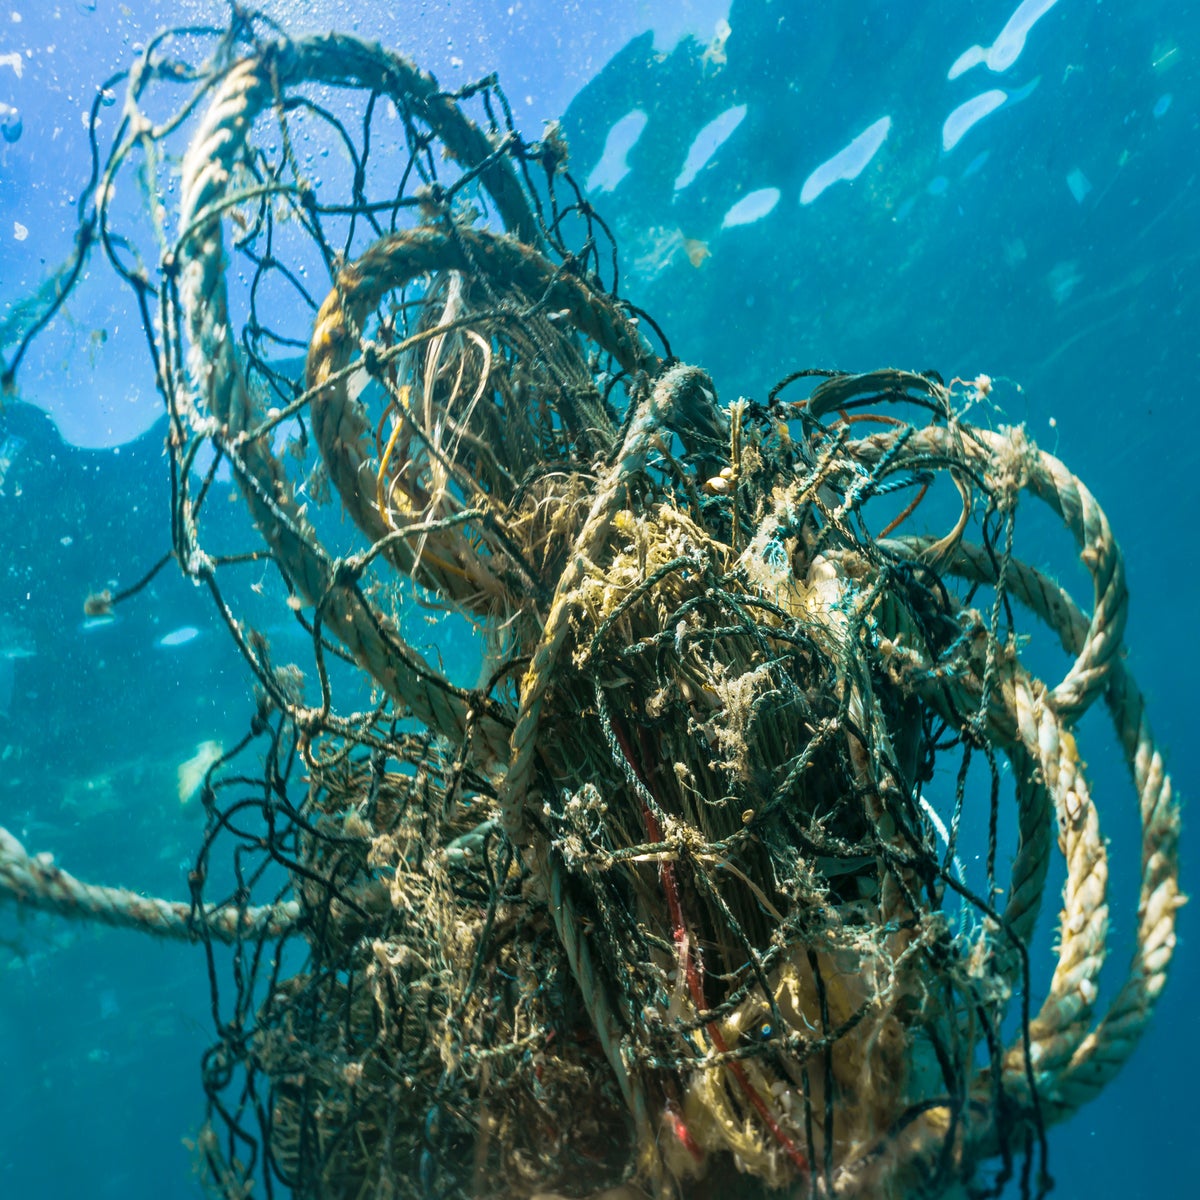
x=661, y=901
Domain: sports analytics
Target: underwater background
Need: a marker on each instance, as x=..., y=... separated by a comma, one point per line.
x=966, y=185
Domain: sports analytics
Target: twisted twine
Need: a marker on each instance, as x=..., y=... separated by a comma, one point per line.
x=38, y=882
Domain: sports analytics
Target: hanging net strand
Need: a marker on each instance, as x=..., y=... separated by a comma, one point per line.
x=672, y=898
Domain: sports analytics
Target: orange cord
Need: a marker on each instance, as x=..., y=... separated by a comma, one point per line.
x=908, y=512
x=845, y=418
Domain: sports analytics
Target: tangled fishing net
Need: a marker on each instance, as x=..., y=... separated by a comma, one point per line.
x=661, y=902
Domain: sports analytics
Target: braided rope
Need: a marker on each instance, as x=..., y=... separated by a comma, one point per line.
x=340, y=422
x=220, y=389
x=207, y=173
x=1015, y=463
x=1060, y=1025
x=1100, y=1054
x=1072, y=1063
x=37, y=882
x=1105, y=1049
x=1020, y=712
x=652, y=414
x=1059, y=1031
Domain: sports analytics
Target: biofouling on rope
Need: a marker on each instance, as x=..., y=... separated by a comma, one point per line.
x=664, y=903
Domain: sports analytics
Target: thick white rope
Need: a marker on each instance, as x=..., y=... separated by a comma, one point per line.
x=38, y=882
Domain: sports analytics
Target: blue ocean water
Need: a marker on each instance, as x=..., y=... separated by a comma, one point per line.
x=979, y=186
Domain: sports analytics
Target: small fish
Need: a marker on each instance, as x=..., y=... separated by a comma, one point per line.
x=190, y=774
x=15, y=642
x=102, y=620
x=178, y=637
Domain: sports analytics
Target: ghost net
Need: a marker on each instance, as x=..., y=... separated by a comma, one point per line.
x=660, y=902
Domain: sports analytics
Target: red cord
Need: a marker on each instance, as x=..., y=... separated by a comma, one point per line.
x=682, y=1132
x=693, y=973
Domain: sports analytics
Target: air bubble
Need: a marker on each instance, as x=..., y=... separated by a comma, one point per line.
x=11, y=126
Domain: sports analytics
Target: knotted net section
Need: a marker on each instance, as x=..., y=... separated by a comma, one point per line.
x=651, y=887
